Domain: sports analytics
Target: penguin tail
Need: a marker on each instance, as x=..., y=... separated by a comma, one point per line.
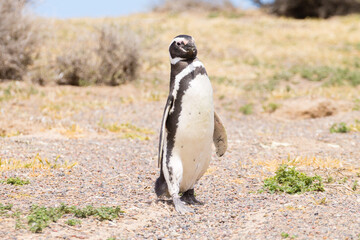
x=161, y=186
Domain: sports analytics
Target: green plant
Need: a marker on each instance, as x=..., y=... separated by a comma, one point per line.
x=284, y=235
x=102, y=213
x=335, y=76
x=289, y=180
x=344, y=180
x=40, y=217
x=339, y=128
x=13, y=90
x=315, y=74
x=330, y=179
x=5, y=208
x=355, y=185
x=16, y=181
x=18, y=223
x=73, y=222
x=247, y=109
x=271, y=107
x=356, y=105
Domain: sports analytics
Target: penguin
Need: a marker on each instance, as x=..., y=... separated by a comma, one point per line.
x=189, y=127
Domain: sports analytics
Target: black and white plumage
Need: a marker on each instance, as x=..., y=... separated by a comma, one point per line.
x=189, y=126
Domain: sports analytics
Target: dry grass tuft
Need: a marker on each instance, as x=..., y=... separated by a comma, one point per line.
x=114, y=60
x=127, y=130
x=176, y=6
x=77, y=65
x=35, y=163
x=17, y=39
x=119, y=55
x=303, y=161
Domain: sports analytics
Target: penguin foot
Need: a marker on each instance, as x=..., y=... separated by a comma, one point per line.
x=180, y=207
x=189, y=198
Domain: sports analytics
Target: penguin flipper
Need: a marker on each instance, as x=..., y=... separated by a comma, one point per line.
x=163, y=130
x=219, y=136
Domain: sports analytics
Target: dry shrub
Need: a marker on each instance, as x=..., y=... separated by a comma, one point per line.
x=311, y=8
x=119, y=55
x=113, y=61
x=176, y=6
x=78, y=64
x=17, y=39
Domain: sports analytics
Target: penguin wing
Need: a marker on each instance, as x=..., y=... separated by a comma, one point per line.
x=163, y=130
x=219, y=136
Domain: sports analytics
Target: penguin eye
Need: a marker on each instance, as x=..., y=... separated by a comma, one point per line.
x=178, y=43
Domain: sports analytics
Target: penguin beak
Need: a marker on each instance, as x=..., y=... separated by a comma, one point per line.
x=191, y=49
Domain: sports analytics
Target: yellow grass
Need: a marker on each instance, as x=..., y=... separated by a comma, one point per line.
x=128, y=130
x=35, y=163
x=73, y=131
x=304, y=161
x=247, y=51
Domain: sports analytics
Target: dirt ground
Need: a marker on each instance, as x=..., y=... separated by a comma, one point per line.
x=102, y=165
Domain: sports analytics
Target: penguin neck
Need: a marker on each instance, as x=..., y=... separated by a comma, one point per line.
x=179, y=66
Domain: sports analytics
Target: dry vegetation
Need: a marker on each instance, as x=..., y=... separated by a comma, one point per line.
x=311, y=8
x=114, y=59
x=18, y=39
x=177, y=6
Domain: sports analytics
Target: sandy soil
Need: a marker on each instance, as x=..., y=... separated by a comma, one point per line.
x=113, y=169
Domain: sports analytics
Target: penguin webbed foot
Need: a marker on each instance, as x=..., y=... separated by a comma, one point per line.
x=189, y=198
x=180, y=207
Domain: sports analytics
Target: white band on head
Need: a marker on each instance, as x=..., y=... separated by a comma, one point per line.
x=179, y=39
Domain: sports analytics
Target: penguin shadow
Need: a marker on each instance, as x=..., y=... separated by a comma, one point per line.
x=169, y=203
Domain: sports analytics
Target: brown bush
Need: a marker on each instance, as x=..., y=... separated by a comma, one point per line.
x=119, y=55
x=76, y=67
x=113, y=61
x=176, y=6
x=311, y=8
x=17, y=39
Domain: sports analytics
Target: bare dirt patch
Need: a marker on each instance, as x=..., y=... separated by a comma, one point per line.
x=307, y=107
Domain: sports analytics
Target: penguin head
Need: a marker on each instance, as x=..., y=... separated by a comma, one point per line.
x=182, y=48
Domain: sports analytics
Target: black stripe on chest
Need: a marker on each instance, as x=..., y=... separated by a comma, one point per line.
x=173, y=118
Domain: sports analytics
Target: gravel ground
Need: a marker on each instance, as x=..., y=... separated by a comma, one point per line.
x=112, y=170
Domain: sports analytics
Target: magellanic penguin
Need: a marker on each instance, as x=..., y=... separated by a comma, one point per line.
x=189, y=126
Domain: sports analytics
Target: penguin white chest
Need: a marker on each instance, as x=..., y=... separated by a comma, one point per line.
x=193, y=140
